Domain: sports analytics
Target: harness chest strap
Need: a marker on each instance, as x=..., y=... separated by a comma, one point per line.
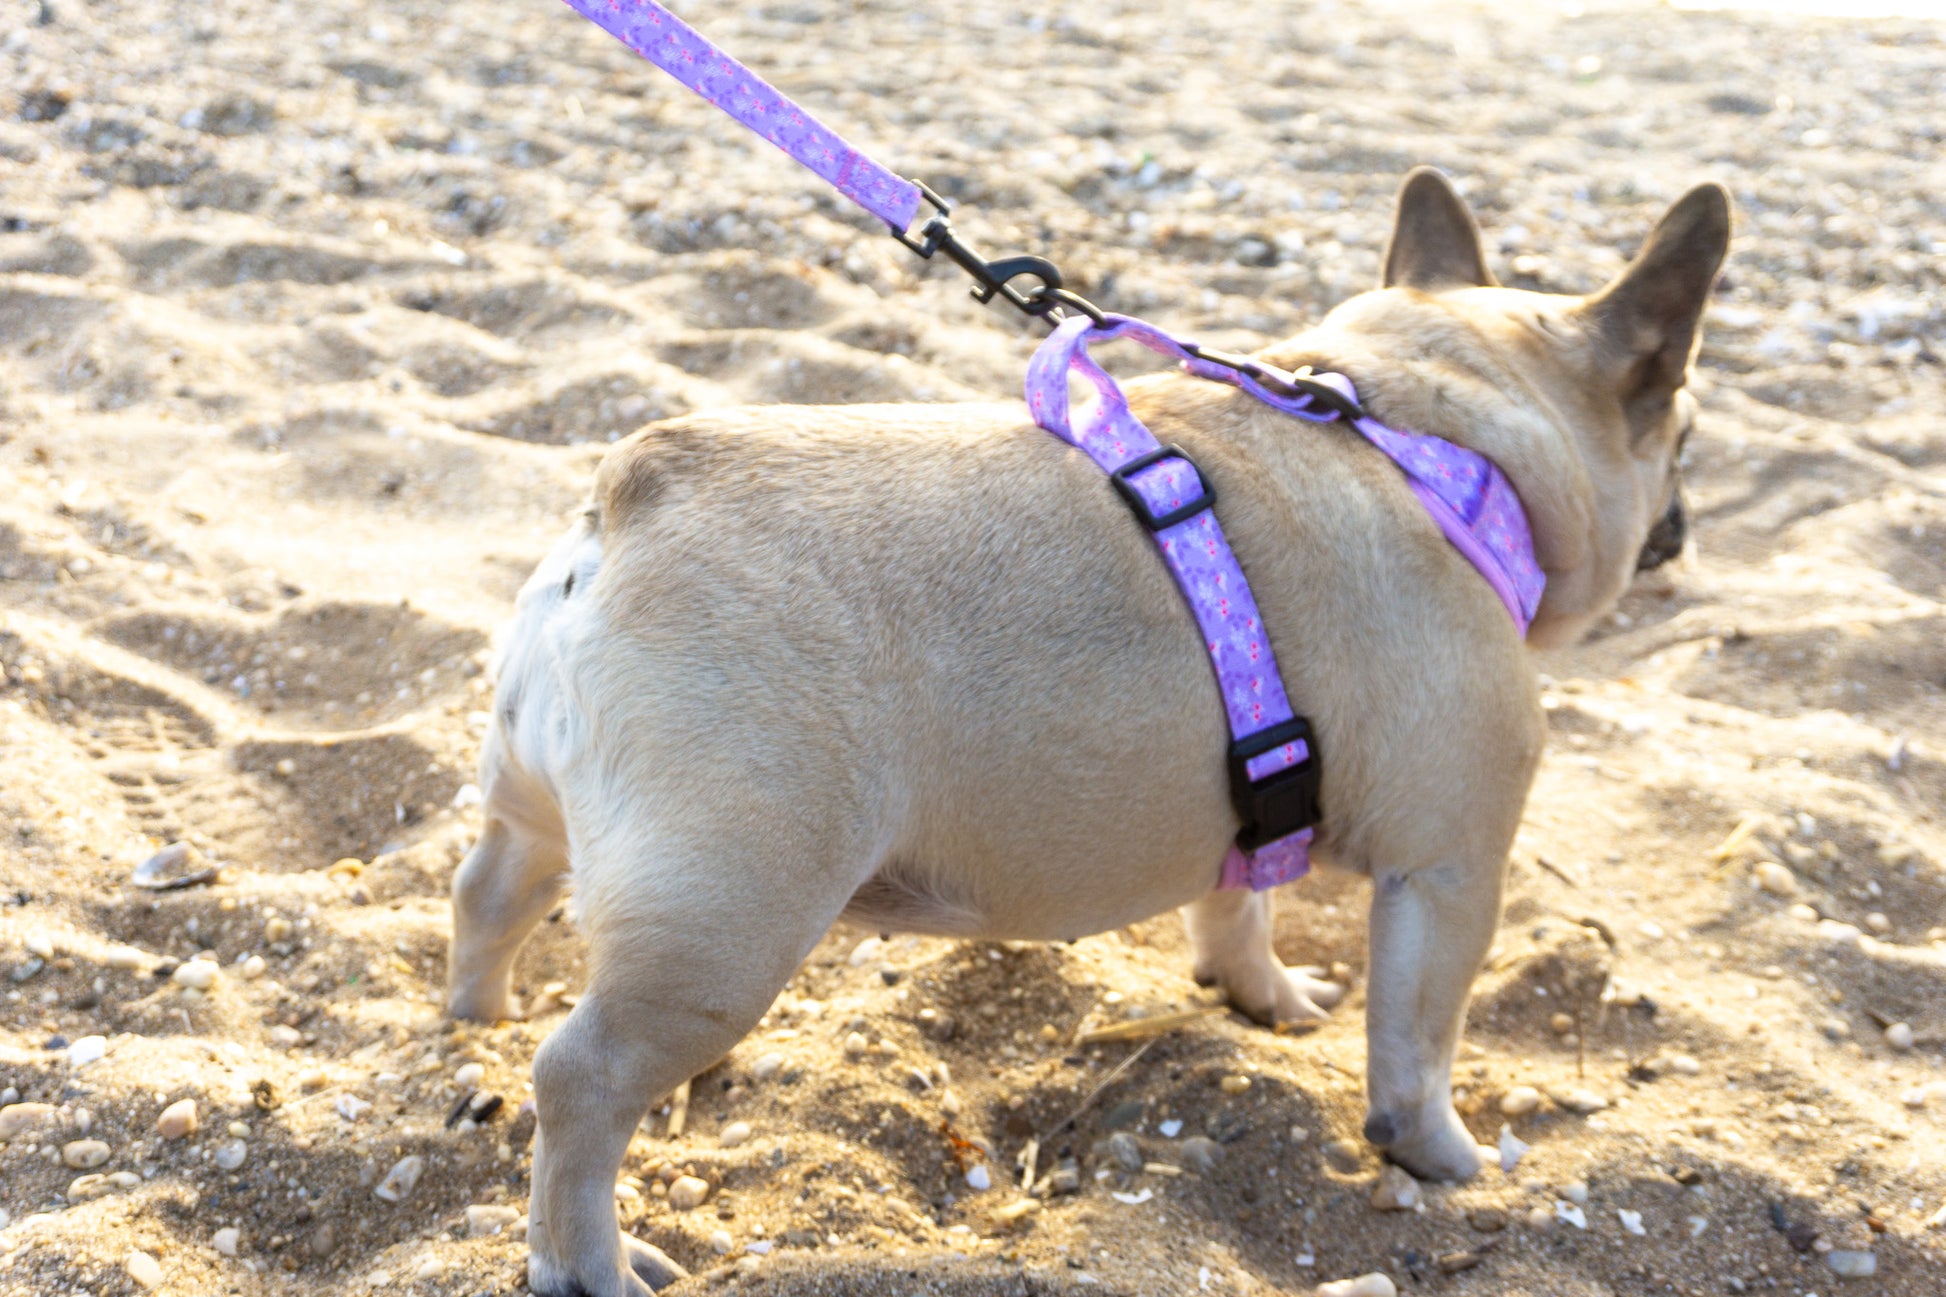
x=1275, y=772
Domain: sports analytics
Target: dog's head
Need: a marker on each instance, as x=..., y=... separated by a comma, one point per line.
x=1579, y=400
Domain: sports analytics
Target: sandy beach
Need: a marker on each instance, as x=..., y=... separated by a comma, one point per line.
x=314, y=322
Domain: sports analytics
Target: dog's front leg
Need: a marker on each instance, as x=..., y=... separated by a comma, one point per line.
x=1230, y=931
x=1430, y=931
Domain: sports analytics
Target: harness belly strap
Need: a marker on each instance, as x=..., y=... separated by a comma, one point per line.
x=1274, y=762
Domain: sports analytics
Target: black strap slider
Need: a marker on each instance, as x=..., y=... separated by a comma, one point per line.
x=1119, y=479
x=1283, y=802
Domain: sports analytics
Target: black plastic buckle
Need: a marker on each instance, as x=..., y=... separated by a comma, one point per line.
x=1119, y=479
x=1282, y=803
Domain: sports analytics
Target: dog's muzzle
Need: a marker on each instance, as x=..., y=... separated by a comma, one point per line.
x=1667, y=536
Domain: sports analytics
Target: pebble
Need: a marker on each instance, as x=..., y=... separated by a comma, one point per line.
x=253, y=968
x=231, y=1154
x=1580, y=1102
x=196, y=975
x=277, y=928
x=17, y=1119
x=1234, y=1084
x=484, y=1220
x=1774, y=878
x=1397, y=1191
x=350, y=1106
x=1684, y=1065
x=737, y=1132
x=39, y=945
x=1488, y=1220
x=1201, y=1154
x=125, y=958
x=688, y=1192
x=1344, y=1155
x=171, y=868
x=469, y=1076
x=1576, y=1192
x=88, y=1049
x=1899, y=1036
x=720, y=1242
x=1375, y=1284
x=1520, y=1101
x=1631, y=1221
x=1849, y=1263
x=856, y=1045
x=1917, y=1097
x=84, y=1154
x=144, y=1269
x=767, y=1066
x=1561, y=1024
x=867, y=951
x=178, y=1120
x=401, y=1179
x=978, y=1178
x=226, y=1240
x=1123, y=1148
x=1511, y=1148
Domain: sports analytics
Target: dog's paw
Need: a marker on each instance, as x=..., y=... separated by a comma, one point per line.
x=482, y=1005
x=1438, y=1149
x=547, y=1278
x=650, y=1263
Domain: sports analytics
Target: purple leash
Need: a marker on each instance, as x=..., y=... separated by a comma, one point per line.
x=1275, y=773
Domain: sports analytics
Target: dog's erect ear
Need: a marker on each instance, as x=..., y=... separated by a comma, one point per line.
x=1648, y=318
x=1434, y=242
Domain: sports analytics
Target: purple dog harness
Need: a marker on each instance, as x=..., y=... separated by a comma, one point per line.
x=1275, y=771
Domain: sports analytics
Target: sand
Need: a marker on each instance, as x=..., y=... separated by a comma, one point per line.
x=314, y=320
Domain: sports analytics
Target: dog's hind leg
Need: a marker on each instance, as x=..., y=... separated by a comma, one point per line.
x=1430, y=931
x=689, y=943
x=1230, y=931
x=507, y=883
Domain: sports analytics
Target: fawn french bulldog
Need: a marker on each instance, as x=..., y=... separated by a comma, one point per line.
x=916, y=667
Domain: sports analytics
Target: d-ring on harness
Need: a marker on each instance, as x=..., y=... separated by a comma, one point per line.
x=1274, y=763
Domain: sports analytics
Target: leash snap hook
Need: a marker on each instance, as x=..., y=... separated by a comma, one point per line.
x=1045, y=299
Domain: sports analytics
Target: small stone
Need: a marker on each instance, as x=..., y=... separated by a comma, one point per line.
x=868, y=951
x=1374, y=1284
x=1234, y=1084
x=253, y=968
x=1631, y=1221
x=350, y=1107
x=1771, y=877
x=856, y=1045
x=1511, y=1148
x=1878, y=922
x=1852, y=1263
x=144, y=1269
x=195, y=975
x=1561, y=1024
x=226, y=1240
x=1540, y=1217
x=231, y=1154
x=277, y=928
x=469, y=1076
x=1520, y=1101
x=1580, y=1102
x=84, y=1154
x=1919, y=1096
x=1397, y=1191
x=767, y=1066
x=1488, y=1220
x=17, y=1119
x=978, y=1178
x=88, y=1049
x=1126, y=1152
x=737, y=1132
x=178, y=1120
x=324, y=1240
x=720, y=1242
x=484, y=1220
x=1344, y=1156
x=401, y=1179
x=125, y=958
x=688, y=1192
x=1576, y=1192
x=1684, y=1065
x=1899, y=1036
x=1201, y=1154
x=39, y=945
